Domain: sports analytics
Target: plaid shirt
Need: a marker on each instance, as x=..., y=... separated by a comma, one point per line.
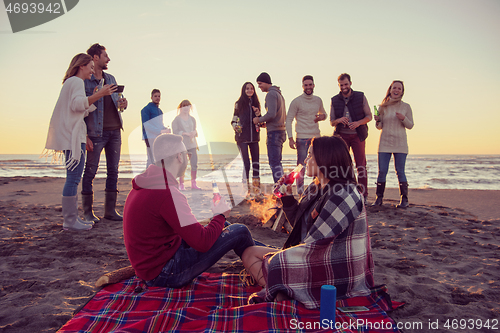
x=335, y=251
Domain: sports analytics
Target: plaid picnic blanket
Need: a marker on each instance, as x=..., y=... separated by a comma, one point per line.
x=216, y=302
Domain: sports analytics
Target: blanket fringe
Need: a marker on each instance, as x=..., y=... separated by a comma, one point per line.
x=58, y=156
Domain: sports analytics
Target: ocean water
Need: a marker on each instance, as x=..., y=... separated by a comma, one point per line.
x=423, y=171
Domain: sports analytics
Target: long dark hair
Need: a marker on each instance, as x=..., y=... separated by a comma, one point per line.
x=333, y=159
x=243, y=100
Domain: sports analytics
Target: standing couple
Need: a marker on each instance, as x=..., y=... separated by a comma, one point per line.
x=247, y=121
x=87, y=118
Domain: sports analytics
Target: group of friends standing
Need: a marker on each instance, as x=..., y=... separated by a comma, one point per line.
x=349, y=114
x=168, y=247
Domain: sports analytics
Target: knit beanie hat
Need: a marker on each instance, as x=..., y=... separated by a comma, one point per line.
x=166, y=145
x=264, y=77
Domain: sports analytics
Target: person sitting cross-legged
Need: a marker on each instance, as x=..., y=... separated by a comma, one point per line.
x=166, y=245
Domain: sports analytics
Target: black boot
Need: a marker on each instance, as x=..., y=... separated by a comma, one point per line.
x=380, y=194
x=110, y=207
x=88, y=211
x=403, y=191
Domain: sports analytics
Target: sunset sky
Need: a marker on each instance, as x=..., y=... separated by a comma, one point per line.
x=446, y=52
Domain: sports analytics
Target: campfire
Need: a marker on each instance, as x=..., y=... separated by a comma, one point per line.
x=270, y=213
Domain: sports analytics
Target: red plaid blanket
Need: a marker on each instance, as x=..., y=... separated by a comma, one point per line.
x=216, y=302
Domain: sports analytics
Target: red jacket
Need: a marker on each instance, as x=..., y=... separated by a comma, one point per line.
x=156, y=217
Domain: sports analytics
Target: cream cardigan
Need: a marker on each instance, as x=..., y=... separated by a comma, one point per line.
x=67, y=129
x=393, y=136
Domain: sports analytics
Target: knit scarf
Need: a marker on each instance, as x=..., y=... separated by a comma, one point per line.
x=390, y=101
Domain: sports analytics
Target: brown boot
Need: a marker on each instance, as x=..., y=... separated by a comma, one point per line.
x=249, y=195
x=256, y=189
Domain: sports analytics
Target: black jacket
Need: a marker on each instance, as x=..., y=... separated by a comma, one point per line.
x=249, y=133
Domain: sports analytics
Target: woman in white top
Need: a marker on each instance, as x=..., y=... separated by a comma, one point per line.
x=394, y=118
x=185, y=125
x=67, y=133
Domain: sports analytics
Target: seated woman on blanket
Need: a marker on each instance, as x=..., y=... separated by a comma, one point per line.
x=329, y=243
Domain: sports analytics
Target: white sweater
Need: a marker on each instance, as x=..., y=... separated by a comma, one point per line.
x=304, y=108
x=67, y=129
x=393, y=136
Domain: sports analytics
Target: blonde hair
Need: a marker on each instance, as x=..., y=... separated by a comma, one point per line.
x=80, y=59
x=183, y=104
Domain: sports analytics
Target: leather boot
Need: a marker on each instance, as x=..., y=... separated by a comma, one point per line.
x=70, y=215
x=250, y=191
x=380, y=194
x=193, y=181
x=88, y=211
x=256, y=189
x=78, y=217
x=110, y=207
x=403, y=191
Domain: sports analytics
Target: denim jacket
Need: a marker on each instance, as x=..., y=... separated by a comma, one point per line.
x=95, y=119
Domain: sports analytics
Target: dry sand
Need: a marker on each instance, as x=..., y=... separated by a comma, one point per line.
x=441, y=256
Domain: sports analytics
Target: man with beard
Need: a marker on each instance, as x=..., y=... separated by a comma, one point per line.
x=166, y=245
x=307, y=110
x=349, y=114
x=103, y=132
x=152, y=123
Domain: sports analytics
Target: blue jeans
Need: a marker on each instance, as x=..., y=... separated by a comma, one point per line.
x=187, y=263
x=399, y=164
x=275, y=140
x=111, y=142
x=74, y=176
x=302, y=147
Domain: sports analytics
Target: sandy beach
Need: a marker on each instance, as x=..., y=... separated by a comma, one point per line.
x=441, y=256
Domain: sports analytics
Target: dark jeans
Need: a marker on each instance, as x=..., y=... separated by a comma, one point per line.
x=399, y=165
x=188, y=263
x=275, y=140
x=358, y=150
x=74, y=176
x=302, y=147
x=254, y=152
x=111, y=142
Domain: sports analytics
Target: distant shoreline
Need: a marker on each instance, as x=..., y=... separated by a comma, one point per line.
x=483, y=204
x=474, y=172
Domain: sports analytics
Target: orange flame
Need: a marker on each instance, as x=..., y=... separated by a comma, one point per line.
x=261, y=209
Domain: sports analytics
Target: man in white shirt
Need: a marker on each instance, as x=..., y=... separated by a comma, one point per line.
x=307, y=109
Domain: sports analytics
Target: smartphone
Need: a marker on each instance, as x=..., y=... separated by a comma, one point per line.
x=119, y=89
x=353, y=308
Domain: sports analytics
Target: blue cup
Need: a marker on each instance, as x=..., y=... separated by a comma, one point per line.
x=328, y=304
